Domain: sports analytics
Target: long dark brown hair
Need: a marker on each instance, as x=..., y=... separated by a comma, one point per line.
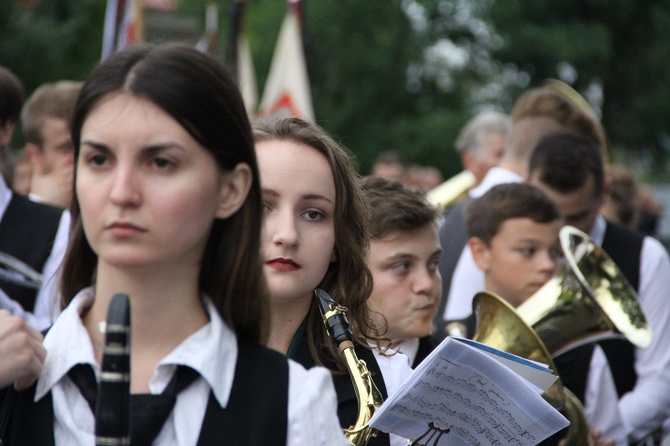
x=200, y=94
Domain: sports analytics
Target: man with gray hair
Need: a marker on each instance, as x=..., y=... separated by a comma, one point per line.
x=481, y=142
x=481, y=145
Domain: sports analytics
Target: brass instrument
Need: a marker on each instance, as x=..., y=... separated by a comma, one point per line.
x=112, y=409
x=587, y=300
x=499, y=326
x=451, y=191
x=368, y=395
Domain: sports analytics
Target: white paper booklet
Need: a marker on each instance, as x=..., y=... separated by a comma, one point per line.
x=465, y=393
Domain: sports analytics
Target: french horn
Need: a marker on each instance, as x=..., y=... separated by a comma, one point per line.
x=589, y=299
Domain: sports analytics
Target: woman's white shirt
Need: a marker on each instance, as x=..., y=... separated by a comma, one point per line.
x=212, y=352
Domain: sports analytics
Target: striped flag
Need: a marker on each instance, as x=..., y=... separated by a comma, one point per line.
x=240, y=60
x=287, y=91
x=123, y=25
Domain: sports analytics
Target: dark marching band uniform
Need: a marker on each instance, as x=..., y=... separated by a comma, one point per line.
x=36, y=234
x=239, y=394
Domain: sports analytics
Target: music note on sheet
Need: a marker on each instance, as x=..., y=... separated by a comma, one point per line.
x=480, y=400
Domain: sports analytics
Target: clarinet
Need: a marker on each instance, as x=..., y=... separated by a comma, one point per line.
x=112, y=409
x=368, y=395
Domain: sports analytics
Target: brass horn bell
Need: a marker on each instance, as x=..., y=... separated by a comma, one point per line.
x=587, y=300
x=499, y=326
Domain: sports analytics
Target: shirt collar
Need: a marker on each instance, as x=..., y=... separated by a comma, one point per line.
x=409, y=348
x=597, y=232
x=495, y=176
x=211, y=351
x=67, y=344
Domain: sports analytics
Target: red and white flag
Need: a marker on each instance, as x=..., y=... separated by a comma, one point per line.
x=241, y=59
x=287, y=91
x=123, y=25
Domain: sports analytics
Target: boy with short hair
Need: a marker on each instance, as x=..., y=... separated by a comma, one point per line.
x=513, y=235
x=403, y=258
x=514, y=238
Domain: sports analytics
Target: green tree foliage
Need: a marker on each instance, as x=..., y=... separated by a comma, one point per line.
x=619, y=48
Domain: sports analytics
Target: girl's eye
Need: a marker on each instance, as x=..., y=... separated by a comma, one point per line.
x=98, y=160
x=266, y=207
x=163, y=163
x=314, y=215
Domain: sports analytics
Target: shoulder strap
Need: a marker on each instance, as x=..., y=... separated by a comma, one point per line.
x=258, y=398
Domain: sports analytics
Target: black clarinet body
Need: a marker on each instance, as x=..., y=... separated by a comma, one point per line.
x=112, y=410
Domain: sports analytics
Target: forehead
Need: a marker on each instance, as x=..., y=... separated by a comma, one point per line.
x=419, y=242
x=518, y=230
x=288, y=165
x=583, y=198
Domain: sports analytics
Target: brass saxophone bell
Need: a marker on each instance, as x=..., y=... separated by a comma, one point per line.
x=587, y=300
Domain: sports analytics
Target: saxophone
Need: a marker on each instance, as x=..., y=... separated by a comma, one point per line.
x=368, y=395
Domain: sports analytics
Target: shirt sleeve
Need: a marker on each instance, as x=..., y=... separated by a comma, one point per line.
x=600, y=400
x=312, y=408
x=646, y=407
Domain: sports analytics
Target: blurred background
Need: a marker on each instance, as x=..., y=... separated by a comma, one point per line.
x=402, y=75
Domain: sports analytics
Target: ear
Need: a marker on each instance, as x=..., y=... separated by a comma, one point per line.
x=234, y=190
x=480, y=253
x=333, y=256
x=35, y=155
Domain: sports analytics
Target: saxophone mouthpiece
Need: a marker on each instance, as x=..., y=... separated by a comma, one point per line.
x=334, y=316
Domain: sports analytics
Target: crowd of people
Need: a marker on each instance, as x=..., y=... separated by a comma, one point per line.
x=149, y=179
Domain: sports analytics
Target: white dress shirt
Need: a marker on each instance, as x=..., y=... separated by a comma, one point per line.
x=212, y=352
x=395, y=368
x=46, y=304
x=646, y=406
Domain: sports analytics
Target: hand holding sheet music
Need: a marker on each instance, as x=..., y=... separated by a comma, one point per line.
x=464, y=387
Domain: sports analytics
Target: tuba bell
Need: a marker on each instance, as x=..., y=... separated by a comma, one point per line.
x=500, y=326
x=589, y=299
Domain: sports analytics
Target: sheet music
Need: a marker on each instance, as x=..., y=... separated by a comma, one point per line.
x=480, y=400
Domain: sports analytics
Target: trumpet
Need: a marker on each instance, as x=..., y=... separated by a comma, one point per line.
x=112, y=410
x=368, y=395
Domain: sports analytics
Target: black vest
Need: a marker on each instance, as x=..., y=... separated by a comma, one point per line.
x=27, y=232
x=347, y=402
x=453, y=239
x=426, y=346
x=258, y=398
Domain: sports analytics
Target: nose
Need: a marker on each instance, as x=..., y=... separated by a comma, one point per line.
x=426, y=281
x=125, y=191
x=285, y=231
x=548, y=263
